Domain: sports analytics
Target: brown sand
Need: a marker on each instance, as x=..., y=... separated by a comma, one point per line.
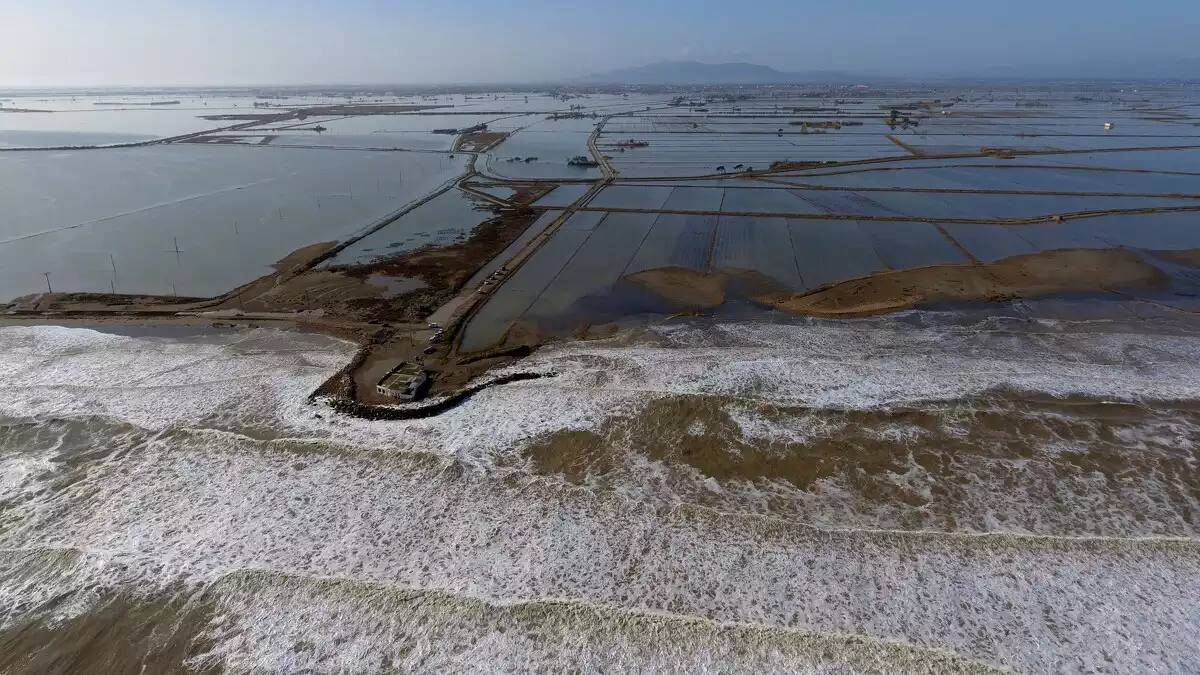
x=303, y=257
x=1020, y=276
x=685, y=286
x=345, y=292
x=480, y=141
x=1190, y=257
x=334, y=292
x=1030, y=275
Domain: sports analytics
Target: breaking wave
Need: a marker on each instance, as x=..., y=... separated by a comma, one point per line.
x=859, y=497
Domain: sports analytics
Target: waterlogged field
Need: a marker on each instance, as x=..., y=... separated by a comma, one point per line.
x=96, y=200
x=857, y=185
x=189, y=219
x=75, y=215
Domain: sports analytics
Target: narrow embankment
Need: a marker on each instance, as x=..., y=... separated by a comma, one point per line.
x=348, y=406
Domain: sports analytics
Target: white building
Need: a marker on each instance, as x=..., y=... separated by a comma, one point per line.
x=403, y=382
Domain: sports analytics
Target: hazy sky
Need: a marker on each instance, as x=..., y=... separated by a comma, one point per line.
x=95, y=42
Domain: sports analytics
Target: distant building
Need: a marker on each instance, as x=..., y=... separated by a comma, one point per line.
x=403, y=382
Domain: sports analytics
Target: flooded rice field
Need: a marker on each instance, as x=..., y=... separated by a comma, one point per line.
x=638, y=197
x=424, y=131
x=829, y=381
x=596, y=249
x=966, y=204
x=699, y=154
x=539, y=226
x=57, y=121
x=1028, y=180
x=542, y=149
x=189, y=219
x=898, y=205
x=1183, y=161
x=564, y=195
x=443, y=220
x=97, y=127
x=78, y=226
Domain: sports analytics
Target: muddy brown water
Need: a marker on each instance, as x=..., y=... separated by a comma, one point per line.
x=913, y=466
x=121, y=634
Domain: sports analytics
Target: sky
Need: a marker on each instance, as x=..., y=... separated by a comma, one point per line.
x=218, y=42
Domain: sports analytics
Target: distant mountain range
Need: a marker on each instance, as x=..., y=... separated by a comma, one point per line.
x=694, y=72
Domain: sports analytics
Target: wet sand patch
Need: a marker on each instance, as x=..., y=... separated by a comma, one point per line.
x=1032, y=275
x=683, y=285
x=302, y=257
x=1025, y=276
x=1189, y=257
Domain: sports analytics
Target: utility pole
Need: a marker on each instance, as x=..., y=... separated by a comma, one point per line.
x=47, y=275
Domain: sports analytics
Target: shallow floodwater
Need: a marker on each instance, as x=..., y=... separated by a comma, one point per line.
x=189, y=219
x=445, y=219
x=100, y=126
x=919, y=494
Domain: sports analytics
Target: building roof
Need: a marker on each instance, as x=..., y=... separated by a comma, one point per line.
x=402, y=376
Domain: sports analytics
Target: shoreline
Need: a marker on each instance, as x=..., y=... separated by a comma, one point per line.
x=341, y=303
x=461, y=375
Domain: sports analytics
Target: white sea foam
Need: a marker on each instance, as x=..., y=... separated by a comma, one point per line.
x=30, y=579
x=423, y=505
x=861, y=367
x=433, y=632
x=49, y=370
x=204, y=506
x=155, y=383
